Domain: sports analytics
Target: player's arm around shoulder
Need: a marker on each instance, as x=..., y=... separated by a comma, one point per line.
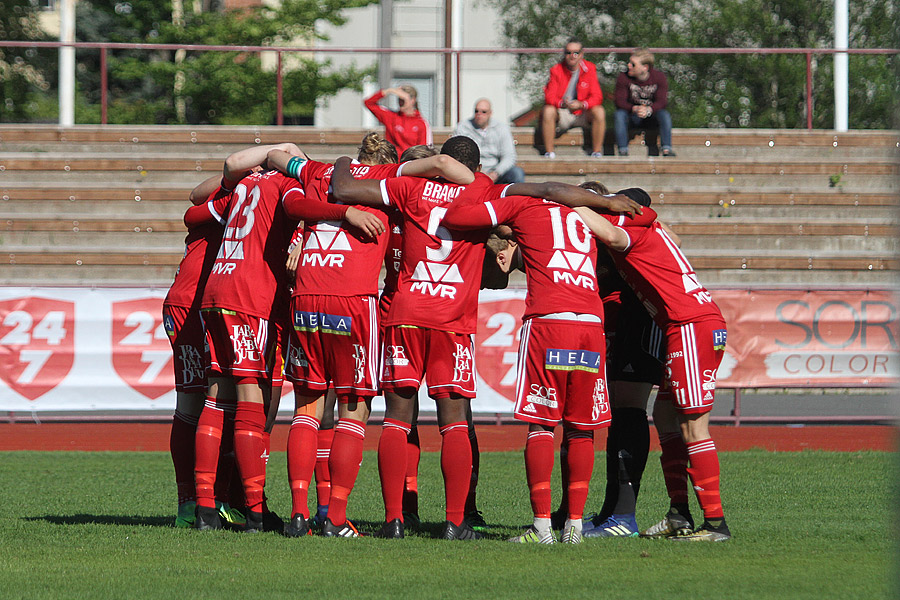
x=610, y=235
x=346, y=188
x=439, y=165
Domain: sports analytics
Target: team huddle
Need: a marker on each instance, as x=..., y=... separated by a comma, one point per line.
x=281, y=279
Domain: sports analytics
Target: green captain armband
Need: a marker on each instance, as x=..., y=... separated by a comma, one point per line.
x=295, y=165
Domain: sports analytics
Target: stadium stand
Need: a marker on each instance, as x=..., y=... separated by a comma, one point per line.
x=103, y=204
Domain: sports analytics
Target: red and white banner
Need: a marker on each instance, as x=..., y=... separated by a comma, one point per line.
x=80, y=349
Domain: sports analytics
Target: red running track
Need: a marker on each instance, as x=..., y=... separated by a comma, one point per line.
x=145, y=437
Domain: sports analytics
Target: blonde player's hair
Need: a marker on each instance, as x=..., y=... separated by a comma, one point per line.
x=420, y=151
x=375, y=150
x=596, y=187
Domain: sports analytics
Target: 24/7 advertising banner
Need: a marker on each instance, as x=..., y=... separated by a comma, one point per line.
x=79, y=349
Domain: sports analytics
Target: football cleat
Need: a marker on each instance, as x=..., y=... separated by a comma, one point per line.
x=344, y=530
x=411, y=521
x=570, y=534
x=674, y=523
x=707, y=533
x=254, y=522
x=297, y=527
x=391, y=530
x=534, y=536
x=272, y=522
x=614, y=526
x=459, y=532
x=230, y=515
x=186, y=517
x=207, y=519
x=476, y=520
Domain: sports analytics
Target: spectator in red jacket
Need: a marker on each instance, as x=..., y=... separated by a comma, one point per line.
x=405, y=127
x=572, y=98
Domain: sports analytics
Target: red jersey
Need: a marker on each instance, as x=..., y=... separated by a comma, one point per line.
x=200, y=248
x=558, y=250
x=337, y=260
x=401, y=130
x=249, y=271
x=440, y=271
x=663, y=278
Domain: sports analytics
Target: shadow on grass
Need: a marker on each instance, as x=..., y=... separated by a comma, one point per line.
x=105, y=520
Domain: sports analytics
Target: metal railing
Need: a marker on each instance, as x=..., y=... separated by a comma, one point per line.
x=454, y=53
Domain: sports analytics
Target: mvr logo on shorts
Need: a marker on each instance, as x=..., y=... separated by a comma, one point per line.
x=318, y=321
x=572, y=360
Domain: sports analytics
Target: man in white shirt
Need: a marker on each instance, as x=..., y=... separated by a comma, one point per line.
x=495, y=141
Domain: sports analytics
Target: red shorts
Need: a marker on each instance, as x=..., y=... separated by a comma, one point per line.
x=562, y=374
x=334, y=339
x=409, y=353
x=241, y=345
x=693, y=354
x=185, y=330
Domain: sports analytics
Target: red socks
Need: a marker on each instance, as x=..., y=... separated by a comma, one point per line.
x=674, y=460
x=211, y=428
x=250, y=451
x=301, y=448
x=325, y=439
x=704, y=472
x=346, y=456
x=538, y=469
x=181, y=447
x=456, y=466
x=392, y=461
x=580, y=461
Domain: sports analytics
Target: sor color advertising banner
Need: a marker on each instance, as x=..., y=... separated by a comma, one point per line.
x=80, y=349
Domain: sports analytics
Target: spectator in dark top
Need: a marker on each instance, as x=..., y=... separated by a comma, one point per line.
x=495, y=141
x=572, y=98
x=403, y=128
x=642, y=94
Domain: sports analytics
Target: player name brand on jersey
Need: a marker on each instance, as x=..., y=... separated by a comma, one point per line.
x=323, y=322
x=572, y=360
x=322, y=242
x=575, y=262
x=231, y=250
x=224, y=268
x=435, y=279
x=441, y=192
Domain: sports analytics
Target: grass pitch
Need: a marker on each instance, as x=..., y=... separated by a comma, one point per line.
x=98, y=525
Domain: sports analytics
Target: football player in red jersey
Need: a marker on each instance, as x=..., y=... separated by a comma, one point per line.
x=695, y=335
x=240, y=307
x=428, y=330
x=562, y=366
x=181, y=317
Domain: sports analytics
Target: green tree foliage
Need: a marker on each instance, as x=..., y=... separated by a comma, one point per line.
x=22, y=70
x=217, y=87
x=722, y=90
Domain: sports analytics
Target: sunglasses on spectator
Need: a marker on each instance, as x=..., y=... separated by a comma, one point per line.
x=481, y=111
x=575, y=52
